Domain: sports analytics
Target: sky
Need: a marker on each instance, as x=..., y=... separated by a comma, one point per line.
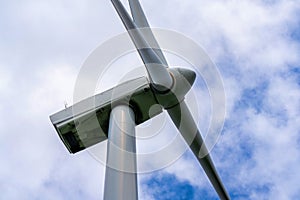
x=254, y=44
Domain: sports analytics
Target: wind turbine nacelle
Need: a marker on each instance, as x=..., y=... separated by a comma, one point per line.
x=86, y=123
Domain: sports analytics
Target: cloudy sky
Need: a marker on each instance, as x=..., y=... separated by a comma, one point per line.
x=255, y=44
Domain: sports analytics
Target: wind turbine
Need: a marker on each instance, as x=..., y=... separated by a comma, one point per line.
x=120, y=109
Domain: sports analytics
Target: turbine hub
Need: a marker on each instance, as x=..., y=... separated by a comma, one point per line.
x=183, y=79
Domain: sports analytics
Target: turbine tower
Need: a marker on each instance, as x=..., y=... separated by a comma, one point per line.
x=121, y=108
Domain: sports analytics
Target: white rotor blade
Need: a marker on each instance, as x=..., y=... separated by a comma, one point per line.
x=159, y=76
x=182, y=118
x=138, y=14
x=140, y=20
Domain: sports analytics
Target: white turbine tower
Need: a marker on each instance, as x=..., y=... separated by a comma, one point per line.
x=120, y=109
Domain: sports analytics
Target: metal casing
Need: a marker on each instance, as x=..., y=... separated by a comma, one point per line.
x=86, y=122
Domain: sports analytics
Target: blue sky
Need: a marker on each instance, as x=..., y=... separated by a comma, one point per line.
x=255, y=45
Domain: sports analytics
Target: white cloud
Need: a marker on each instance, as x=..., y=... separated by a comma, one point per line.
x=35, y=161
x=53, y=85
x=283, y=97
x=5, y=81
x=5, y=93
x=264, y=146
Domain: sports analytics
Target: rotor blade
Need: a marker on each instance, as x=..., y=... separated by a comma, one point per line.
x=158, y=74
x=184, y=121
x=138, y=14
x=140, y=20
